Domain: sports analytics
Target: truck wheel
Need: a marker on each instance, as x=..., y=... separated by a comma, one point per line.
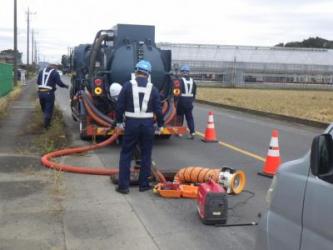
x=74, y=118
x=165, y=137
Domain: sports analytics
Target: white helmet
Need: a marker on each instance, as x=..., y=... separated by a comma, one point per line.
x=115, y=89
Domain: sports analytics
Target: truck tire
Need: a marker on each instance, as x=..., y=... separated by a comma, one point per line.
x=165, y=137
x=74, y=118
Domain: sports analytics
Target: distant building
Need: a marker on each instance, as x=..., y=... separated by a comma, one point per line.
x=241, y=64
x=6, y=58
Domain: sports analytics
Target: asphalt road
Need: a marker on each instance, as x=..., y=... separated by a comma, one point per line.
x=174, y=224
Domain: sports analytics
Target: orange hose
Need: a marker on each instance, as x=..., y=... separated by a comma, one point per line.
x=196, y=174
x=158, y=175
x=172, y=115
x=47, y=159
x=164, y=107
x=94, y=116
x=234, y=182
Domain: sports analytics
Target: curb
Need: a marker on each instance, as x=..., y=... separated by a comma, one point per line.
x=270, y=115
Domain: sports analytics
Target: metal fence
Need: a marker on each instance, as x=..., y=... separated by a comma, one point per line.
x=267, y=85
x=6, y=78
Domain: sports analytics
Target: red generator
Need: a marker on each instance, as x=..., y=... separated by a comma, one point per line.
x=212, y=203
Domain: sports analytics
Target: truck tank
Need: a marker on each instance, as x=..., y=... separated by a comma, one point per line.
x=114, y=54
x=111, y=58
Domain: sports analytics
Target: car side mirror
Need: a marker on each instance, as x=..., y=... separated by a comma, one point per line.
x=321, y=162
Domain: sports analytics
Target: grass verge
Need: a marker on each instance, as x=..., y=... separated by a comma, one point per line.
x=48, y=140
x=309, y=105
x=5, y=100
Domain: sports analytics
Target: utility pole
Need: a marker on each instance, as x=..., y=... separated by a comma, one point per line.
x=15, y=43
x=36, y=61
x=32, y=46
x=28, y=28
x=28, y=31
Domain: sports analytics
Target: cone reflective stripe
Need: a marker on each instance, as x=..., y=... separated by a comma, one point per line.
x=210, y=133
x=273, y=160
x=210, y=118
x=273, y=153
x=210, y=125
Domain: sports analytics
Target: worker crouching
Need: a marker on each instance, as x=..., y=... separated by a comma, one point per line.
x=138, y=101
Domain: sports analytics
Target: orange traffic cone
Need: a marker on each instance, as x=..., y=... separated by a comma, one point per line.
x=273, y=159
x=210, y=133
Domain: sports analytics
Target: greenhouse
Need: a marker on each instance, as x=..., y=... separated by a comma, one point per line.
x=242, y=64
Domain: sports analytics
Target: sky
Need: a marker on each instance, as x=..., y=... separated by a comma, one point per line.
x=61, y=24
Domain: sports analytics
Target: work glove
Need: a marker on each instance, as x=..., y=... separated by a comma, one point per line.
x=114, y=124
x=66, y=86
x=119, y=128
x=159, y=130
x=120, y=125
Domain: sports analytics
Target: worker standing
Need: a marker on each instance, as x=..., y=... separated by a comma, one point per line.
x=47, y=80
x=138, y=101
x=187, y=96
x=22, y=77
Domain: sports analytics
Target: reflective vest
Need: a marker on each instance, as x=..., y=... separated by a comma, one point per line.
x=140, y=112
x=188, y=87
x=45, y=79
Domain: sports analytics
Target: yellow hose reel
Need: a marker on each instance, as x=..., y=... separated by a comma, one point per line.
x=233, y=180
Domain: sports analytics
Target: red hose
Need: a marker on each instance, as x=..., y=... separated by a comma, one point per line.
x=47, y=159
x=172, y=115
x=158, y=175
x=94, y=116
x=165, y=107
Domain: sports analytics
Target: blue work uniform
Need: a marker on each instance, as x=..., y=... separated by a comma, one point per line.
x=47, y=80
x=138, y=101
x=185, y=102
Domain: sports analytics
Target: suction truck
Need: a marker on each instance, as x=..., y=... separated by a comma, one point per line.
x=109, y=61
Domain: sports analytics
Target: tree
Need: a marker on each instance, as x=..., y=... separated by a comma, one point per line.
x=311, y=42
x=10, y=54
x=279, y=45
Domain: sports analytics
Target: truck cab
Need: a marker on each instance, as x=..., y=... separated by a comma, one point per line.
x=300, y=202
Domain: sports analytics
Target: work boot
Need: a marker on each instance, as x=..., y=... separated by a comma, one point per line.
x=145, y=188
x=47, y=123
x=191, y=136
x=122, y=190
